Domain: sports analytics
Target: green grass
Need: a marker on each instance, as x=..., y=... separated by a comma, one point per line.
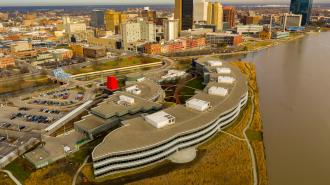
x=196, y=83
x=187, y=92
x=113, y=64
x=20, y=168
x=254, y=135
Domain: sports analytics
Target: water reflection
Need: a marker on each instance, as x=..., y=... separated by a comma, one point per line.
x=294, y=83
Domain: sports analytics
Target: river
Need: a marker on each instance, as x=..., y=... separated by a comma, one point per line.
x=294, y=84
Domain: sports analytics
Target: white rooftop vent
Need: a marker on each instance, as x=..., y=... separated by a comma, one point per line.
x=223, y=70
x=226, y=79
x=198, y=104
x=125, y=99
x=173, y=74
x=160, y=119
x=134, y=90
x=140, y=79
x=214, y=63
x=219, y=91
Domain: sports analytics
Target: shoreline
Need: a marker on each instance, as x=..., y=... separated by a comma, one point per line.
x=276, y=43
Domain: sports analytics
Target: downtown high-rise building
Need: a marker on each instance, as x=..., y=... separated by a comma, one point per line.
x=97, y=19
x=171, y=29
x=184, y=11
x=200, y=11
x=113, y=19
x=215, y=15
x=229, y=13
x=303, y=7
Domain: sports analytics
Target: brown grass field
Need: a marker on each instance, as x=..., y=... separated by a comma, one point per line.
x=5, y=179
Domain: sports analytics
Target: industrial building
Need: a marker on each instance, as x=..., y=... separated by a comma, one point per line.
x=152, y=138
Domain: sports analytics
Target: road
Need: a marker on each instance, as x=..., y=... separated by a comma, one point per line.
x=17, y=182
x=77, y=173
x=168, y=64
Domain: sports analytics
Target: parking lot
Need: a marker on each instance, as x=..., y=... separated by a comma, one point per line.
x=27, y=119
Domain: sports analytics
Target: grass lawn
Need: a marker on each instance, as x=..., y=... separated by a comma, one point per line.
x=20, y=84
x=122, y=62
x=252, y=45
x=254, y=135
x=187, y=92
x=20, y=168
x=5, y=179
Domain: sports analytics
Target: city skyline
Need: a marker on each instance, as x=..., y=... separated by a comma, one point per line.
x=107, y=2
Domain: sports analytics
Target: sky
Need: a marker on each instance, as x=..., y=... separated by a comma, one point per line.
x=95, y=2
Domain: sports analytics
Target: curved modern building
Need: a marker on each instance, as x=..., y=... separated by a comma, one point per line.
x=152, y=138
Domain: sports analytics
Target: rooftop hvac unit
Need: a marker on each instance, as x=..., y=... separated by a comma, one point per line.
x=223, y=70
x=226, y=79
x=173, y=74
x=214, y=63
x=126, y=99
x=197, y=104
x=160, y=119
x=219, y=91
x=134, y=90
x=140, y=79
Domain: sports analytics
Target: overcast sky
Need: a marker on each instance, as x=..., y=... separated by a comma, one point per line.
x=93, y=2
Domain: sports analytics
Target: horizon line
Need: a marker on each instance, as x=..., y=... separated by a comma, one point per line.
x=132, y=4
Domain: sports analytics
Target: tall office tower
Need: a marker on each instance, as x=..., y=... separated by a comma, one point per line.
x=66, y=20
x=200, y=11
x=303, y=7
x=184, y=11
x=215, y=15
x=113, y=20
x=97, y=19
x=137, y=31
x=229, y=13
x=171, y=29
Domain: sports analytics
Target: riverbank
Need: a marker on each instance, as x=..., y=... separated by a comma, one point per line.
x=255, y=131
x=265, y=45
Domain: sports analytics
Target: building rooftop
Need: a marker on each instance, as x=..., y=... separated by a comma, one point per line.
x=149, y=89
x=137, y=133
x=114, y=106
x=37, y=155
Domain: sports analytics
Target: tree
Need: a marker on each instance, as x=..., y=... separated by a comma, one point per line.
x=24, y=69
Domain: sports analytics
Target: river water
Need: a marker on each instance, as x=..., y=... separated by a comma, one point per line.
x=294, y=84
